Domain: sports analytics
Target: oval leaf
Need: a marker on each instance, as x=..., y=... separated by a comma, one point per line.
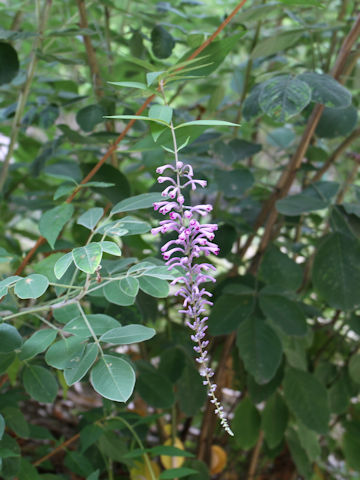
x=40, y=384
x=32, y=286
x=259, y=348
x=87, y=258
x=336, y=271
x=307, y=398
x=113, y=378
x=10, y=338
x=128, y=334
x=283, y=97
x=53, y=221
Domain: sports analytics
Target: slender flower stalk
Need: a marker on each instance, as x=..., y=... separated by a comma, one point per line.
x=194, y=239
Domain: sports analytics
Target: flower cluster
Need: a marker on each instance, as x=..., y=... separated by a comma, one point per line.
x=193, y=240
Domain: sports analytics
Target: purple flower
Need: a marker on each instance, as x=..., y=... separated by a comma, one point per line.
x=193, y=241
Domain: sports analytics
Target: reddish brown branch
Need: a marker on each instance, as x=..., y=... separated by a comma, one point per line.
x=57, y=450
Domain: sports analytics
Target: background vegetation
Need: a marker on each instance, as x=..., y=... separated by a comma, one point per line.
x=285, y=326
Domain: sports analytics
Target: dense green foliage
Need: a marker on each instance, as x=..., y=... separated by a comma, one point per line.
x=92, y=347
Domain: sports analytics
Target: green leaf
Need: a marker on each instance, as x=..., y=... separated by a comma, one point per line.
x=6, y=283
x=110, y=247
x=62, y=265
x=138, y=117
x=208, y=123
x=307, y=399
x=5, y=256
x=339, y=395
x=10, y=338
x=90, y=218
x=127, y=335
x=283, y=97
x=251, y=107
x=162, y=273
x=276, y=44
x=145, y=200
x=88, y=117
x=114, y=294
x=337, y=122
x=10, y=63
x=274, y=420
x=326, y=90
x=299, y=455
x=87, y=258
x=99, y=322
x=354, y=368
x=315, y=197
x=246, y=424
x=170, y=451
x=129, y=225
x=309, y=441
x=213, y=55
x=278, y=269
x=37, y=343
x=6, y=359
x=229, y=311
x=16, y=421
x=176, y=473
x=155, y=388
x=283, y=313
x=234, y=183
x=40, y=384
x=27, y=471
x=53, y=221
x=129, y=286
x=190, y=399
x=81, y=365
x=304, y=3
x=162, y=42
x=336, y=271
x=64, y=353
x=32, y=286
x=113, y=378
x=351, y=445
x=160, y=112
x=140, y=85
x=154, y=286
x=259, y=348
x=2, y=426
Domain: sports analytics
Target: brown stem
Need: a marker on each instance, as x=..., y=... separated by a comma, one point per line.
x=57, y=450
x=255, y=457
x=336, y=154
x=334, y=35
x=93, y=64
x=112, y=148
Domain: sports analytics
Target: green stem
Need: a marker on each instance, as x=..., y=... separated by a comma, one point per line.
x=93, y=334
x=139, y=442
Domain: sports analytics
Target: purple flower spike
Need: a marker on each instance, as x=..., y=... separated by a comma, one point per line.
x=193, y=240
